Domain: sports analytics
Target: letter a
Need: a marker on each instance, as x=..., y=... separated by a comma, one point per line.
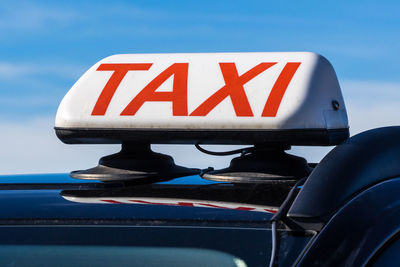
x=178, y=95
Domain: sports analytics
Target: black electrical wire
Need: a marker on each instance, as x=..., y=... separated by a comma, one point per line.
x=280, y=215
x=274, y=245
x=242, y=151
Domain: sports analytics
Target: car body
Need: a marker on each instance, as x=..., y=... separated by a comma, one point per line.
x=187, y=212
x=55, y=210
x=267, y=208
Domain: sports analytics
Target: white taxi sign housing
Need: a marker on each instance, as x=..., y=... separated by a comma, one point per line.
x=221, y=98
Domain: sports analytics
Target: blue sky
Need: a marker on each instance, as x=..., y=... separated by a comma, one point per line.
x=46, y=45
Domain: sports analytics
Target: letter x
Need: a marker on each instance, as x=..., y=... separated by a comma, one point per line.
x=234, y=89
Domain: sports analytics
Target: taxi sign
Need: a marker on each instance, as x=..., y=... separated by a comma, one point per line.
x=221, y=98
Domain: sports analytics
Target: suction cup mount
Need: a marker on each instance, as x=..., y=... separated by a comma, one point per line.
x=135, y=162
x=263, y=164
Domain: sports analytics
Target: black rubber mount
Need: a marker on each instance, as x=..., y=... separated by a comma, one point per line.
x=135, y=162
x=264, y=164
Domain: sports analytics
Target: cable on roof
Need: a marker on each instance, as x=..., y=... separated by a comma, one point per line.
x=242, y=151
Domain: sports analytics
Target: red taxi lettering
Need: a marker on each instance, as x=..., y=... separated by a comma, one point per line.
x=187, y=204
x=270, y=210
x=244, y=208
x=120, y=70
x=152, y=203
x=111, y=201
x=229, y=208
x=278, y=90
x=234, y=89
x=178, y=95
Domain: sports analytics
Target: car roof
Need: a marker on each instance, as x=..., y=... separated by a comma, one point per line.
x=59, y=199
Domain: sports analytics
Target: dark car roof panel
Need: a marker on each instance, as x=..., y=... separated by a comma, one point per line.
x=181, y=200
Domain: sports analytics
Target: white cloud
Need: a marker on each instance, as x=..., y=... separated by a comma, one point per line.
x=28, y=16
x=371, y=104
x=16, y=71
x=26, y=102
x=8, y=70
x=32, y=147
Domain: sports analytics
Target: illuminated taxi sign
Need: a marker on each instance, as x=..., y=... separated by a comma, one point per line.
x=291, y=98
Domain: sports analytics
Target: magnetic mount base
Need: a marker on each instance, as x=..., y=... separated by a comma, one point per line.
x=264, y=164
x=135, y=163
